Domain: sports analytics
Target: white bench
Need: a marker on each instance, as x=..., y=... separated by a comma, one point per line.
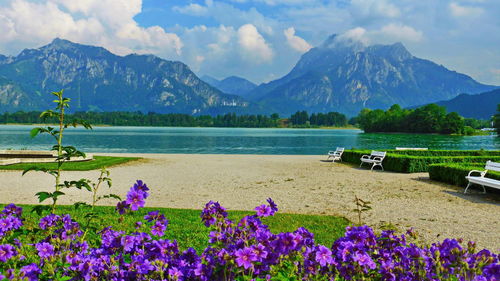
x=412, y=148
x=375, y=158
x=481, y=180
x=336, y=155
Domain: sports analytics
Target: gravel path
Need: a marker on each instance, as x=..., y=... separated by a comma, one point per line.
x=299, y=184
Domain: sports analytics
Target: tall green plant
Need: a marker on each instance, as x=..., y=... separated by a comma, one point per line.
x=64, y=153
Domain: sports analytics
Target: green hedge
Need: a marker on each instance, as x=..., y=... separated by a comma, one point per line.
x=404, y=163
x=446, y=152
x=455, y=174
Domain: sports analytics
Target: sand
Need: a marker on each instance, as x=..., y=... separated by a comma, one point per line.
x=299, y=184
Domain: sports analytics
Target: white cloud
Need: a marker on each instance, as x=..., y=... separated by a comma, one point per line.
x=358, y=34
x=374, y=9
x=107, y=23
x=465, y=11
x=192, y=9
x=277, y=2
x=400, y=32
x=253, y=45
x=295, y=41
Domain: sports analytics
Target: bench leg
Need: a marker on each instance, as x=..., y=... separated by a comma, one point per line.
x=376, y=164
x=484, y=189
x=361, y=164
x=465, y=191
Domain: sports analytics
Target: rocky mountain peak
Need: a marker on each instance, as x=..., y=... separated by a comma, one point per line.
x=396, y=51
x=343, y=43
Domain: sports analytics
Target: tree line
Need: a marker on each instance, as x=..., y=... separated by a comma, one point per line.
x=299, y=119
x=430, y=118
x=330, y=119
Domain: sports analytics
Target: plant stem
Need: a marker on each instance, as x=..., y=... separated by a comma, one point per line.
x=59, y=149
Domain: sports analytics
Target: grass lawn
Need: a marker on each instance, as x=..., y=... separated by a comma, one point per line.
x=97, y=163
x=186, y=227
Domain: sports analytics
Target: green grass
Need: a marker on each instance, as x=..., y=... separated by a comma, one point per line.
x=186, y=227
x=97, y=163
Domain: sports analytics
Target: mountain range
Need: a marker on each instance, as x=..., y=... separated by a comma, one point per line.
x=346, y=76
x=480, y=106
x=339, y=75
x=97, y=80
x=231, y=85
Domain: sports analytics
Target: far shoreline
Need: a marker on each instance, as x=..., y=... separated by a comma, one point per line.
x=105, y=125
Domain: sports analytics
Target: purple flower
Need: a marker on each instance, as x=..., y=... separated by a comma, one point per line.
x=139, y=186
x=212, y=212
x=273, y=205
x=364, y=260
x=13, y=210
x=6, y=224
x=128, y=243
x=45, y=250
x=245, y=257
x=151, y=216
x=7, y=251
x=135, y=199
x=49, y=221
x=158, y=228
x=263, y=211
x=122, y=207
x=260, y=251
x=31, y=271
x=324, y=256
x=175, y=273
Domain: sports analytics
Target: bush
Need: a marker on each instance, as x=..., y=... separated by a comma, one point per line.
x=419, y=161
x=455, y=173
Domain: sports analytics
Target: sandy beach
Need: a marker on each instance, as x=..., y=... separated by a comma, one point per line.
x=298, y=183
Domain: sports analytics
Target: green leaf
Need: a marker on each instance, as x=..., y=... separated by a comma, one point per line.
x=47, y=114
x=57, y=194
x=78, y=205
x=34, y=132
x=79, y=184
x=110, y=196
x=42, y=196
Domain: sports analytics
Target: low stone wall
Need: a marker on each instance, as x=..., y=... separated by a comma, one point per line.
x=9, y=157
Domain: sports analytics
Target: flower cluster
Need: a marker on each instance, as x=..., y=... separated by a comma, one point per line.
x=244, y=250
x=136, y=198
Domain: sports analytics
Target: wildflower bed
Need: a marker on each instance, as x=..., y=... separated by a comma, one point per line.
x=60, y=248
x=184, y=224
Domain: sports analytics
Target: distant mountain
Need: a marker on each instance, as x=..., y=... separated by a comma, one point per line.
x=231, y=85
x=96, y=79
x=346, y=76
x=480, y=106
x=210, y=80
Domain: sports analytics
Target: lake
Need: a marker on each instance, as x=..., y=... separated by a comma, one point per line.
x=233, y=140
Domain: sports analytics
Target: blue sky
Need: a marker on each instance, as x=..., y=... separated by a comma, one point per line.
x=261, y=40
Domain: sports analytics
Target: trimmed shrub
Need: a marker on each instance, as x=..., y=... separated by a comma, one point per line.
x=454, y=173
x=408, y=163
x=446, y=152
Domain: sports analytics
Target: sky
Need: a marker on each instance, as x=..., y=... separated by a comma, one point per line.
x=261, y=40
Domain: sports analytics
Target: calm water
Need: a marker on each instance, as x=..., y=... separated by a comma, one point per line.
x=233, y=140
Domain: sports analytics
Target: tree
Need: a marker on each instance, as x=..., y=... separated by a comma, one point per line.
x=497, y=120
x=453, y=124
